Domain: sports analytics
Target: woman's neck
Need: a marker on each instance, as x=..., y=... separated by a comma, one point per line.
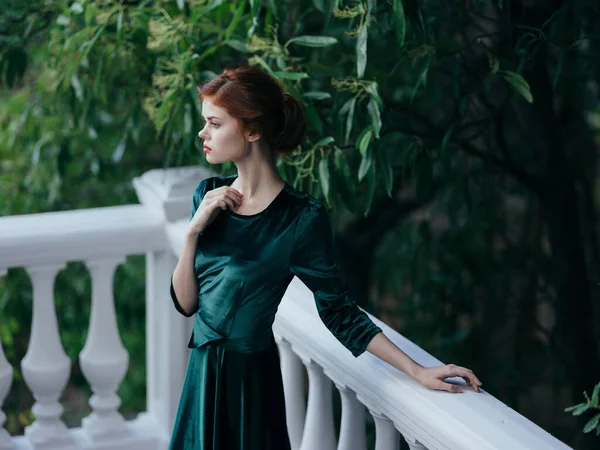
x=257, y=174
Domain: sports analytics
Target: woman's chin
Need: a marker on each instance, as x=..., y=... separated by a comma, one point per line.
x=210, y=158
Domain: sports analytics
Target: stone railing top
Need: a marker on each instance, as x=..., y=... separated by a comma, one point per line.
x=78, y=235
x=438, y=420
x=168, y=192
x=59, y=237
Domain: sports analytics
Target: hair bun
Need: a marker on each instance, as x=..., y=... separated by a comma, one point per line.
x=293, y=125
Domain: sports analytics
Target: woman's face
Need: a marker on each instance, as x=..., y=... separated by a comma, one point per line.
x=222, y=138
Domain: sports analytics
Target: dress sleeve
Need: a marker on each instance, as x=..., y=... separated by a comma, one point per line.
x=312, y=260
x=196, y=200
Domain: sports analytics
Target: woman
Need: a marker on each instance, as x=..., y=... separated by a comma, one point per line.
x=248, y=236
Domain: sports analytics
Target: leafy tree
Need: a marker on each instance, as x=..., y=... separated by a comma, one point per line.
x=455, y=142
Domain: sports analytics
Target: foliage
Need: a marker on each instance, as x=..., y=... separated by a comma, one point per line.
x=590, y=404
x=449, y=140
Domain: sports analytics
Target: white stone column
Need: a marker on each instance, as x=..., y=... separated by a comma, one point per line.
x=292, y=372
x=319, y=430
x=167, y=336
x=387, y=437
x=352, y=428
x=6, y=375
x=46, y=367
x=168, y=194
x=104, y=360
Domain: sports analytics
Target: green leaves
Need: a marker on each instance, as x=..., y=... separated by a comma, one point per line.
x=365, y=164
x=361, y=50
x=518, y=83
x=421, y=79
x=399, y=22
x=345, y=185
x=239, y=11
x=316, y=95
x=385, y=168
x=364, y=139
x=373, y=109
x=325, y=141
x=592, y=403
x=324, y=177
x=348, y=111
x=293, y=76
x=593, y=424
x=313, y=41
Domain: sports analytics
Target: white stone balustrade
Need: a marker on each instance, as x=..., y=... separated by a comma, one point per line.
x=292, y=372
x=103, y=237
x=352, y=427
x=103, y=359
x=388, y=437
x=319, y=431
x=46, y=367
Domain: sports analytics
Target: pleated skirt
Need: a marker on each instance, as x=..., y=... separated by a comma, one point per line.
x=231, y=401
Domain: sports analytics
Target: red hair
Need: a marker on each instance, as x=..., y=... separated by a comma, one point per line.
x=257, y=101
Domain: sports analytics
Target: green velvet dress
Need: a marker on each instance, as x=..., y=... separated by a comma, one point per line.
x=232, y=397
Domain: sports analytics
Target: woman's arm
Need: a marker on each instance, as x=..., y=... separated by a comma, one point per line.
x=312, y=260
x=206, y=205
x=185, y=284
x=431, y=377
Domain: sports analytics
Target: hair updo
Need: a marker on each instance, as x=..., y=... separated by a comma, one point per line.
x=258, y=102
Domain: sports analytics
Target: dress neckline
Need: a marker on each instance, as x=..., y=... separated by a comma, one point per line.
x=232, y=178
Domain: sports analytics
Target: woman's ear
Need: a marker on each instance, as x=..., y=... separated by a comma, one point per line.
x=253, y=134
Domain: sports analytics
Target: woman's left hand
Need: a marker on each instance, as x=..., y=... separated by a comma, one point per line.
x=433, y=377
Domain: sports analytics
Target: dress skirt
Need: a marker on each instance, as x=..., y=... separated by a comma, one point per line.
x=231, y=401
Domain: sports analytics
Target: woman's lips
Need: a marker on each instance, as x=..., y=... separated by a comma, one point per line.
x=207, y=149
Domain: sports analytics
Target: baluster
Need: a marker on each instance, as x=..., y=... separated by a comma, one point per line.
x=6, y=374
x=319, y=430
x=104, y=360
x=292, y=372
x=387, y=437
x=46, y=367
x=410, y=439
x=352, y=428
x=415, y=445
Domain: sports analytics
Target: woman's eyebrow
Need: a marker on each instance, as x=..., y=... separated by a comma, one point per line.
x=211, y=117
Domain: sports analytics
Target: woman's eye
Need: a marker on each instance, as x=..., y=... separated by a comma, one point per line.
x=215, y=125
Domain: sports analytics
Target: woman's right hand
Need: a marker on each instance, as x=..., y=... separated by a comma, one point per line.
x=213, y=202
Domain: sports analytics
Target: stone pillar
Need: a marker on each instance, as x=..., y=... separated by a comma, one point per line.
x=319, y=432
x=352, y=428
x=46, y=367
x=168, y=194
x=104, y=360
x=292, y=372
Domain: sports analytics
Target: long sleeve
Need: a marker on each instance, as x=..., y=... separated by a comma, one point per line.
x=312, y=260
x=196, y=200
